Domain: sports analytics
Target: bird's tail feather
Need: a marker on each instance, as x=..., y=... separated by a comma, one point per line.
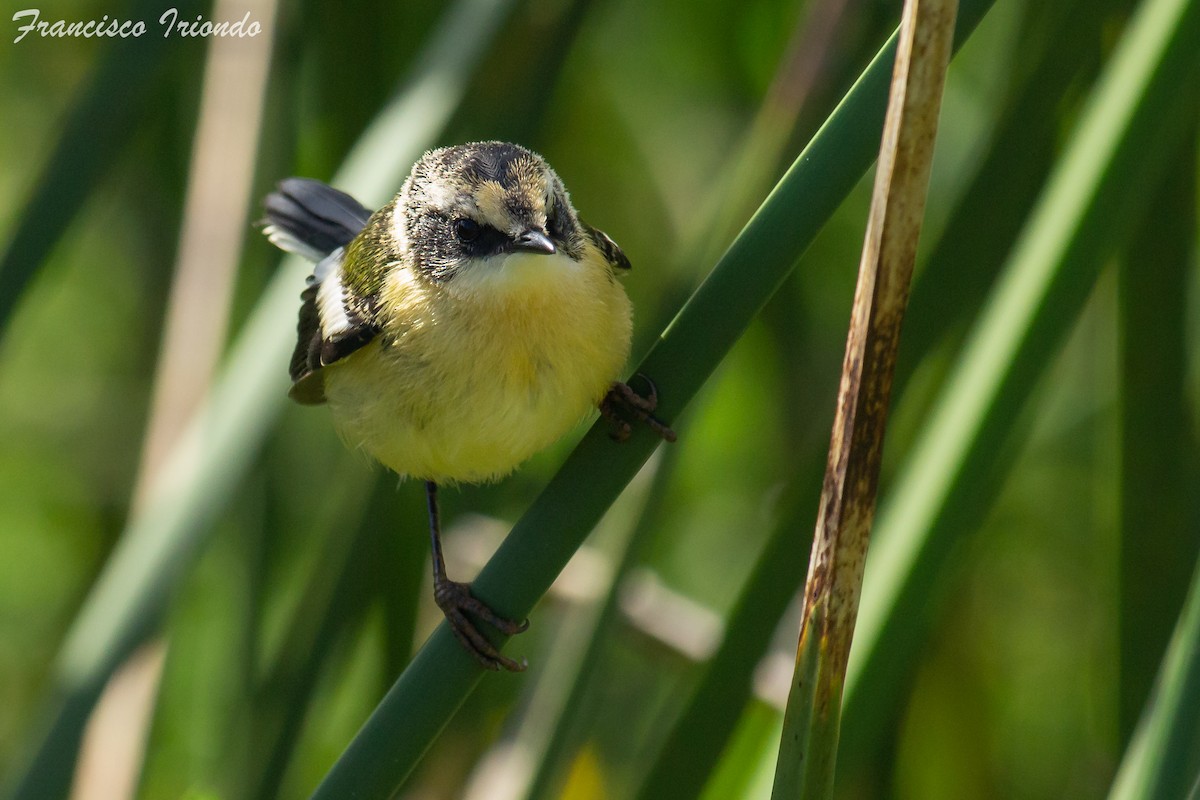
x=312, y=219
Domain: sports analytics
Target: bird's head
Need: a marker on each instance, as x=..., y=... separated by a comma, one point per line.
x=483, y=208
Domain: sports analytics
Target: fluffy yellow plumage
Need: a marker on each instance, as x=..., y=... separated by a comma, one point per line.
x=476, y=375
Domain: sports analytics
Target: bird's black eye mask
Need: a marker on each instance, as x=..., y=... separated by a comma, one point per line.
x=443, y=242
x=478, y=240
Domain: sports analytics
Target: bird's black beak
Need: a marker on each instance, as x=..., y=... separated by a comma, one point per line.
x=532, y=241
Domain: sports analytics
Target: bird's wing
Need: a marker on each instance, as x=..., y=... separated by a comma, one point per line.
x=608, y=248
x=317, y=221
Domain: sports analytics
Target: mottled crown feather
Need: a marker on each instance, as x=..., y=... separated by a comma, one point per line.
x=508, y=183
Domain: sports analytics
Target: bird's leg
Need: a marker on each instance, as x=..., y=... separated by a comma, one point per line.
x=456, y=601
x=622, y=401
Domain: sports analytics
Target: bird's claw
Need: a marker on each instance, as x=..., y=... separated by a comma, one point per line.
x=456, y=602
x=622, y=401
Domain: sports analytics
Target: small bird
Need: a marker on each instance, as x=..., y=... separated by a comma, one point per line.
x=466, y=325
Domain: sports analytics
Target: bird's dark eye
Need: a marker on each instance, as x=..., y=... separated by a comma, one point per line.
x=467, y=229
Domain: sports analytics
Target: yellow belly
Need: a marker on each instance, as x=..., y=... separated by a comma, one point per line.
x=474, y=376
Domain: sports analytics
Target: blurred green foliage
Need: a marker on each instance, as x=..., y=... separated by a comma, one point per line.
x=308, y=597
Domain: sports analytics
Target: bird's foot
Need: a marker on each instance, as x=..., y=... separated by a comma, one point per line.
x=622, y=401
x=456, y=602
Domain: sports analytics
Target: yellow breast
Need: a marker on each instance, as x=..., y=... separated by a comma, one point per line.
x=473, y=376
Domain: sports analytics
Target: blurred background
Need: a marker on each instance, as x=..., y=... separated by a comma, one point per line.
x=295, y=588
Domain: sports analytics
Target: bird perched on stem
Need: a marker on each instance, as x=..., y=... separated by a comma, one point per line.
x=461, y=328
